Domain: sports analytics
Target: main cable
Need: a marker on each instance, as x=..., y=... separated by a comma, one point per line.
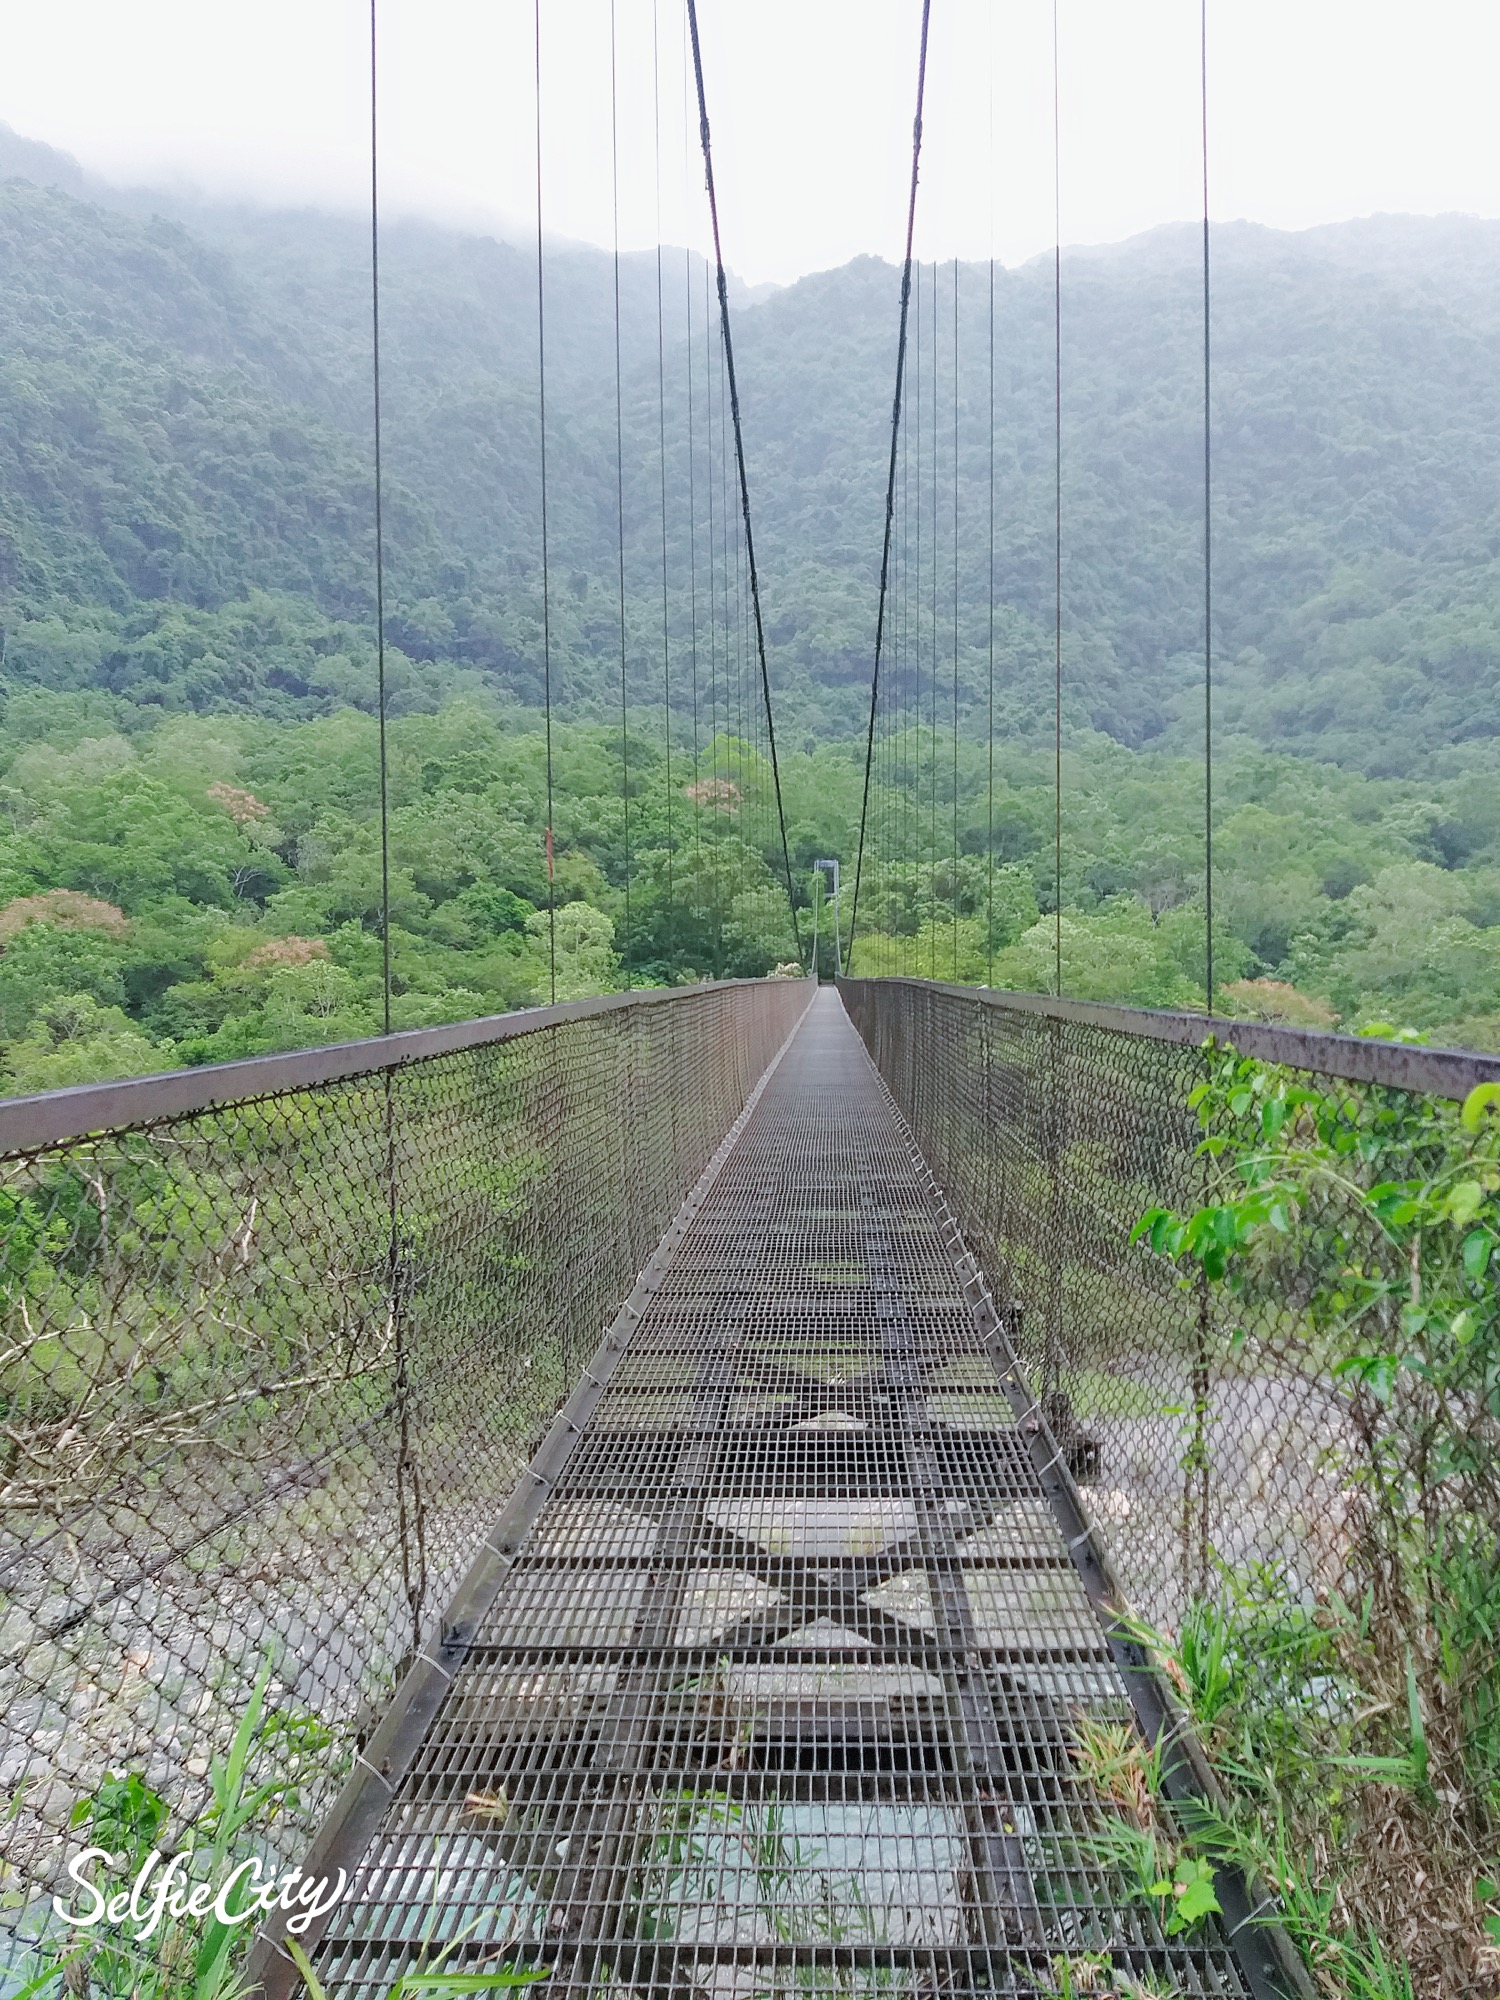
x=541, y=387
x=739, y=455
x=890, y=484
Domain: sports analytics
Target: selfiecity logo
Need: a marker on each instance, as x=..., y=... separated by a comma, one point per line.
x=246, y=1891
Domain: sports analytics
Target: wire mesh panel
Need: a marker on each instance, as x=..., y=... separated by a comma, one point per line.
x=1257, y=1311
x=272, y=1364
x=785, y=1685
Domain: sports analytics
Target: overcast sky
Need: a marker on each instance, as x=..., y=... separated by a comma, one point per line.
x=1319, y=110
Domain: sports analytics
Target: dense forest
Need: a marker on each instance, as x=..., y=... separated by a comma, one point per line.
x=189, y=854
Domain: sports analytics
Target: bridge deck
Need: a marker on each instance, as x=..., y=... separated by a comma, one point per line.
x=778, y=1693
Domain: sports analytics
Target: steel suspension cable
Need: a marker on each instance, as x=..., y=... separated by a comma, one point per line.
x=692, y=458
x=955, y=622
x=920, y=885
x=380, y=694
x=541, y=396
x=739, y=456
x=1057, y=515
x=734, y=752
x=614, y=152
x=411, y=1515
x=909, y=665
x=1208, y=566
x=661, y=429
x=692, y=454
x=890, y=485
x=713, y=623
x=989, y=926
x=932, y=690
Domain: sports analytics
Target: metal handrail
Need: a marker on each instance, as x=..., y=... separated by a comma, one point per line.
x=51, y=1117
x=1450, y=1073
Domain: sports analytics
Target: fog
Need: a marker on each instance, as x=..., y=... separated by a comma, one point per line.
x=1319, y=110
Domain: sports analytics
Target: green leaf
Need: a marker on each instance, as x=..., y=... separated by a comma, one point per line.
x=1166, y=1234
x=1273, y=1115
x=44, y=1979
x=1375, y=1372
x=1383, y=1770
x=1483, y=1097
x=1464, y=1202
x=304, y=1965
x=1476, y=1253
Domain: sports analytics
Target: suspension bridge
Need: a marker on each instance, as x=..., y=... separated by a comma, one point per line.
x=667, y=1494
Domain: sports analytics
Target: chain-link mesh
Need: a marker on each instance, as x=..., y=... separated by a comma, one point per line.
x=272, y=1366
x=1280, y=1393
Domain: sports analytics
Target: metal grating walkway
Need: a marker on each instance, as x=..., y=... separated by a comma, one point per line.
x=777, y=1693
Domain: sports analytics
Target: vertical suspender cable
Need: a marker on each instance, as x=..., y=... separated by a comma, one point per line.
x=890, y=484
x=989, y=928
x=1057, y=517
x=692, y=452
x=989, y=848
x=932, y=691
x=614, y=152
x=661, y=427
x=713, y=625
x=739, y=457
x=541, y=398
x=921, y=901
x=385, y=816
x=955, y=621
x=908, y=681
x=734, y=627
x=734, y=755
x=1208, y=568
x=411, y=1524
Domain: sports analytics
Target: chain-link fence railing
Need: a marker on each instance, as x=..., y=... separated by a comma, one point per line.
x=278, y=1339
x=1255, y=1292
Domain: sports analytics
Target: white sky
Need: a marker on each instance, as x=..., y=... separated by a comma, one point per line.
x=1319, y=110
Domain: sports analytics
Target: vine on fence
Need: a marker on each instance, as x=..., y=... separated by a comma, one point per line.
x=1362, y=1225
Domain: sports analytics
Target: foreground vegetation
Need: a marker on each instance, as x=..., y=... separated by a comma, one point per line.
x=1352, y=1698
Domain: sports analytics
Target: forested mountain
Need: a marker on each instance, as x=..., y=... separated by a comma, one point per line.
x=186, y=415
x=186, y=567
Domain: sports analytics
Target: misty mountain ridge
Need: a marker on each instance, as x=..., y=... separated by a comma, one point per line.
x=185, y=473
